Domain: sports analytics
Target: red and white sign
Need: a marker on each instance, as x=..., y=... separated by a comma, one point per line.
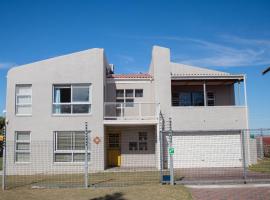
x=96, y=140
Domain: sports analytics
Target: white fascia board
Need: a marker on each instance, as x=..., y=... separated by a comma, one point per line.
x=127, y=80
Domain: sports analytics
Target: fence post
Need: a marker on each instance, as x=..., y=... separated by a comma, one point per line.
x=161, y=129
x=261, y=145
x=4, y=159
x=244, y=155
x=171, y=156
x=86, y=157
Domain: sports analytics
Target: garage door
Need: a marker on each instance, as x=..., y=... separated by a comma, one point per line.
x=207, y=150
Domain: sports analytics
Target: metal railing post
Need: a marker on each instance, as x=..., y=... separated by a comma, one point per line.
x=161, y=129
x=171, y=155
x=244, y=155
x=86, y=157
x=121, y=110
x=4, y=159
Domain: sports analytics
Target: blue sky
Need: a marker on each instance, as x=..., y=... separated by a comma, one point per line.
x=233, y=36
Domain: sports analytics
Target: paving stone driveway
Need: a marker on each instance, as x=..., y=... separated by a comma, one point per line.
x=245, y=193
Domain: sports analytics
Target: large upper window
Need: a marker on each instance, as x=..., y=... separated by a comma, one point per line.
x=23, y=99
x=188, y=99
x=69, y=146
x=192, y=99
x=22, y=146
x=72, y=99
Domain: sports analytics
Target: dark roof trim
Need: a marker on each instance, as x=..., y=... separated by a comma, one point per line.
x=209, y=77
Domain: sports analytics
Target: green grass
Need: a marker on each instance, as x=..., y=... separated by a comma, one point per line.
x=102, y=179
x=262, y=166
x=103, y=186
x=145, y=192
x=1, y=163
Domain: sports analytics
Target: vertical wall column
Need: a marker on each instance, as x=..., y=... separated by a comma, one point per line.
x=247, y=122
x=204, y=93
x=238, y=95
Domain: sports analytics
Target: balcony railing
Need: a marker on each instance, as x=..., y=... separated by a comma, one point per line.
x=131, y=111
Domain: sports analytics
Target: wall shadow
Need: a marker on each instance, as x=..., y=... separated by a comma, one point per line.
x=114, y=196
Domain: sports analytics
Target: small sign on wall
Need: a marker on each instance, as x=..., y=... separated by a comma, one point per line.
x=171, y=151
x=96, y=140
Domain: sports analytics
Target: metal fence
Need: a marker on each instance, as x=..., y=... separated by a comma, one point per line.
x=214, y=156
x=76, y=159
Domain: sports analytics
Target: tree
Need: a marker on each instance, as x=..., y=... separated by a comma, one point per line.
x=2, y=123
x=265, y=71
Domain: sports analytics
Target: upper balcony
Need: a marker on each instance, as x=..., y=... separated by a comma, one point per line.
x=208, y=103
x=131, y=113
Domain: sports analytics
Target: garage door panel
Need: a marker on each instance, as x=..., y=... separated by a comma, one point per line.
x=212, y=150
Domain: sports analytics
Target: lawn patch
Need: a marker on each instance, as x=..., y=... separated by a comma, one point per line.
x=262, y=166
x=145, y=192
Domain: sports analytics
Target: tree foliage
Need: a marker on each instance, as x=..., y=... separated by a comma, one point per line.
x=2, y=123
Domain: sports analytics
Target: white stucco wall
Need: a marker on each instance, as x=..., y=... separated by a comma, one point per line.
x=81, y=67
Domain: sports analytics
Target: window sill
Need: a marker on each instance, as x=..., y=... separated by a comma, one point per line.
x=23, y=115
x=69, y=163
x=22, y=163
x=71, y=115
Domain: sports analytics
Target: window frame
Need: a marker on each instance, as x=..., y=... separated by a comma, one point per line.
x=72, y=151
x=191, y=96
x=125, y=98
x=133, y=146
x=23, y=104
x=211, y=99
x=143, y=140
x=89, y=102
x=22, y=151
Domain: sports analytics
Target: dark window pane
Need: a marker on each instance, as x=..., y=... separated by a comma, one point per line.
x=62, y=95
x=129, y=93
x=197, y=99
x=119, y=93
x=120, y=102
x=142, y=136
x=81, y=108
x=79, y=143
x=64, y=141
x=210, y=99
x=129, y=102
x=79, y=157
x=62, y=109
x=65, y=95
x=133, y=146
x=185, y=99
x=175, y=99
x=63, y=157
x=139, y=93
x=114, y=141
x=80, y=94
x=143, y=146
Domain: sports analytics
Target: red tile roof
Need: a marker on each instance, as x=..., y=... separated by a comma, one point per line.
x=131, y=76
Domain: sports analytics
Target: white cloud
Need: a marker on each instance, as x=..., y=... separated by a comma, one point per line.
x=231, y=51
x=226, y=51
x=126, y=59
x=6, y=65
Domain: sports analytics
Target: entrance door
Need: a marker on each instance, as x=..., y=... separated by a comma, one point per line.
x=114, y=156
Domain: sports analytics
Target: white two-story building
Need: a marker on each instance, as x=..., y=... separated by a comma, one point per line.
x=48, y=103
